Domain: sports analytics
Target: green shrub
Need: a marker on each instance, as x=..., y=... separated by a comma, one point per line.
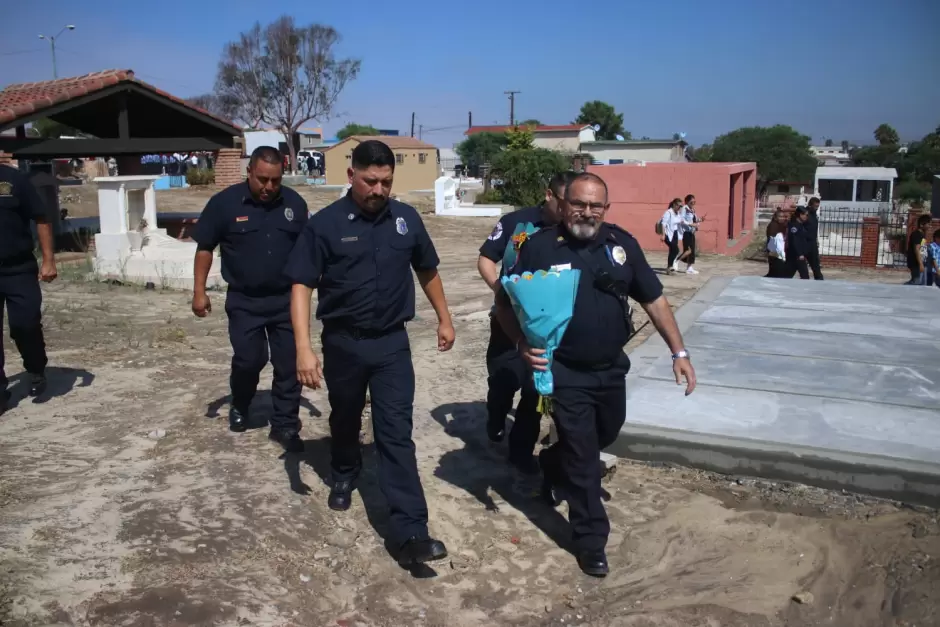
x=913, y=192
x=200, y=176
x=489, y=197
x=524, y=174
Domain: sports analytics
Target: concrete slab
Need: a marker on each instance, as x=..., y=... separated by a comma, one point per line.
x=830, y=383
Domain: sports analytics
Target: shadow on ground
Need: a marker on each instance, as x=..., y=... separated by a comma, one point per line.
x=481, y=466
x=59, y=382
x=259, y=415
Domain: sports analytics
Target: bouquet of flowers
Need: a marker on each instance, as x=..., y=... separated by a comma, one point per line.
x=519, y=236
x=544, y=303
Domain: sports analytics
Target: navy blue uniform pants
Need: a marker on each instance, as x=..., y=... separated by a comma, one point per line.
x=256, y=323
x=21, y=297
x=382, y=364
x=507, y=374
x=588, y=421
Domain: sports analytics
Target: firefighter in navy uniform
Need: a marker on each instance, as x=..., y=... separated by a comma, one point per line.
x=20, y=204
x=507, y=372
x=812, y=236
x=256, y=224
x=589, y=398
x=799, y=243
x=359, y=254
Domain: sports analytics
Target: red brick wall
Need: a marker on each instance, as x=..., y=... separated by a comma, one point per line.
x=912, y=216
x=228, y=167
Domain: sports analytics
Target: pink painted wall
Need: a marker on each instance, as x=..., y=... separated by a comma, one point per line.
x=725, y=195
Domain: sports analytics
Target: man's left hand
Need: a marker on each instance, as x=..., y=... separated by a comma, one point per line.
x=445, y=336
x=682, y=368
x=48, y=272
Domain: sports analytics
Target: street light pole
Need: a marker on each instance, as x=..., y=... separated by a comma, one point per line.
x=55, y=72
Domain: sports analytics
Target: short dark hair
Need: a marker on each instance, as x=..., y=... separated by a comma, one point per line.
x=560, y=181
x=585, y=176
x=924, y=219
x=268, y=154
x=372, y=152
x=689, y=198
x=813, y=199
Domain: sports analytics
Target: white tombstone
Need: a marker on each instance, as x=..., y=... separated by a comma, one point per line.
x=130, y=247
x=447, y=202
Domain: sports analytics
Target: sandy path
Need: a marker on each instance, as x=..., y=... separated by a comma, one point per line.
x=103, y=524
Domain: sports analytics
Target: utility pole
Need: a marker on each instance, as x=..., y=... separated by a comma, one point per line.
x=55, y=71
x=412, y=124
x=469, y=120
x=420, y=130
x=512, y=106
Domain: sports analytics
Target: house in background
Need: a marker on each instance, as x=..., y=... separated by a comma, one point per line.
x=561, y=137
x=636, y=150
x=416, y=163
x=784, y=194
x=831, y=155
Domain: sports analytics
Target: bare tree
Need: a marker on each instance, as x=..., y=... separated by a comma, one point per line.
x=283, y=75
x=214, y=104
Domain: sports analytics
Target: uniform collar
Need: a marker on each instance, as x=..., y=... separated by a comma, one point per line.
x=248, y=199
x=604, y=235
x=358, y=213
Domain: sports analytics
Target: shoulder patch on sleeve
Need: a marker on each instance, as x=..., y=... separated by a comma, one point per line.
x=497, y=231
x=793, y=229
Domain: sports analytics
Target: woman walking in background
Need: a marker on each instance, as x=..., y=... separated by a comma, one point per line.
x=776, y=246
x=671, y=231
x=688, y=228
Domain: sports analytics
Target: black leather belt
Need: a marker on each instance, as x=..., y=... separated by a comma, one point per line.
x=582, y=366
x=360, y=333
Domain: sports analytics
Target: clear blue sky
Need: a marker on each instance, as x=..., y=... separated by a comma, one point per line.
x=830, y=68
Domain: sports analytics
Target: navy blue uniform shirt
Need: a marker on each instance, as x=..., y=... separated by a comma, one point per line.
x=812, y=227
x=256, y=238
x=360, y=263
x=20, y=204
x=597, y=332
x=798, y=240
x=501, y=238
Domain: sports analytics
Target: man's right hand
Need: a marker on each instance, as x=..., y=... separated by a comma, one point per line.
x=201, y=305
x=309, y=372
x=533, y=356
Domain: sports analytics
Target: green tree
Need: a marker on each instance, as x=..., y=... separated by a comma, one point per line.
x=530, y=122
x=50, y=129
x=356, y=129
x=519, y=138
x=781, y=153
x=605, y=116
x=480, y=148
x=913, y=193
x=701, y=154
x=524, y=174
x=885, y=135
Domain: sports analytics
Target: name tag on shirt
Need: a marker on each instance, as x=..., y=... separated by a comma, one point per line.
x=560, y=267
x=350, y=239
x=241, y=219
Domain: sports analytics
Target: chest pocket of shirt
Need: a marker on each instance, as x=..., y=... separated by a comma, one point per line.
x=10, y=218
x=290, y=229
x=246, y=227
x=398, y=251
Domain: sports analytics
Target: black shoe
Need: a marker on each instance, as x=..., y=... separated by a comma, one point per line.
x=340, y=496
x=525, y=464
x=593, y=563
x=4, y=401
x=237, y=420
x=37, y=384
x=495, y=430
x=547, y=493
x=416, y=551
x=288, y=438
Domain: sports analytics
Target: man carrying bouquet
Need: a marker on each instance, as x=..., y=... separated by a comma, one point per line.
x=507, y=371
x=589, y=398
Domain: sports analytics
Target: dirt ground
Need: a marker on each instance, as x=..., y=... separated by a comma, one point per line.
x=125, y=500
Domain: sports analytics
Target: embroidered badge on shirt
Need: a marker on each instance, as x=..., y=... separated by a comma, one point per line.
x=793, y=229
x=289, y=214
x=6, y=189
x=401, y=226
x=241, y=219
x=351, y=217
x=618, y=255
x=497, y=232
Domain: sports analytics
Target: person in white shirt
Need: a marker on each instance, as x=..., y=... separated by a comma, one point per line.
x=687, y=228
x=671, y=226
x=777, y=246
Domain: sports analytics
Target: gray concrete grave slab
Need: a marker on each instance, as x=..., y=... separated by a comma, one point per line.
x=830, y=383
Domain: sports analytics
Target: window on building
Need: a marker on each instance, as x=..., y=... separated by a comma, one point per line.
x=615, y=161
x=399, y=158
x=422, y=157
x=835, y=189
x=783, y=189
x=872, y=191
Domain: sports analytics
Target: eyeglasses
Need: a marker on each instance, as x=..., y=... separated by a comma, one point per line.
x=581, y=207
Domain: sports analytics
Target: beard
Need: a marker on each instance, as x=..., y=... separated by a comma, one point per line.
x=584, y=228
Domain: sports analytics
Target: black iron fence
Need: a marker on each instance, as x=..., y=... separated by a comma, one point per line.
x=841, y=231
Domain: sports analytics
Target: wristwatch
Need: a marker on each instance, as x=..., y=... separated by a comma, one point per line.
x=683, y=354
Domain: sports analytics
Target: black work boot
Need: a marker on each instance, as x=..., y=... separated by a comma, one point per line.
x=237, y=419
x=37, y=384
x=593, y=563
x=418, y=551
x=340, y=498
x=288, y=438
